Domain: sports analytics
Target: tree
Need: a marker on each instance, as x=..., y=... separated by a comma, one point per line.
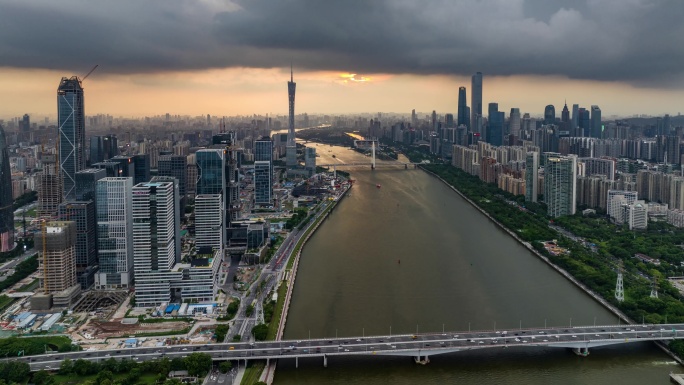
x=249, y=310
x=225, y=366
x=177, y=364
x=15, y=371
x=104, y=375
x=260, y=332
x=198, y=364
x=81, y=367
x=237, y=338
x=42, y=377
x=66, y=367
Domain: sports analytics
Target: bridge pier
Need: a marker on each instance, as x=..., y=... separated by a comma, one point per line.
x=325, y=361
x=406, y=167
x=582, y=352
x=297, y=362
x=419, y=360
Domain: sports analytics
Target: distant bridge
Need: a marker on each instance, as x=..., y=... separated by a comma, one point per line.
x=370, y=164
x=418, y=346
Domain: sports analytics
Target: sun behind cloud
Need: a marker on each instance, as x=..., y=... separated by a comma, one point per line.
x=347, y=78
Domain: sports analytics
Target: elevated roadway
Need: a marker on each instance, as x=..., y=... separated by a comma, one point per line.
x=419, y=346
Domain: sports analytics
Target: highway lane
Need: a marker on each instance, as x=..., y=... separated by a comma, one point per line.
x=406, y=344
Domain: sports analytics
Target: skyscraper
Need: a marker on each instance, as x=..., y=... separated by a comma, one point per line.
x=475, y=100
x=210, y=168
x=574, y=122
x=82, y=213
x=114, y=233
x=263, y=186
x=291, y=148
x=495, y=123
x=514, y=122
x=550, y=114
x=155, y=209
x=6, y=201
x=531, y=176
x=177, y=167
x=71, y=128
x=596, y=127
x=565, y=114
x=209, y=221
x=310, y=159
x=560, y=185
x=57, y=267
x=462, y=118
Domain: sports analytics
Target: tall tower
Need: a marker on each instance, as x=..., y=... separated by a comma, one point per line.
x=462, y=118
x=596, y=127
x=619, y=287
x=71, y=126
x=560, y=185
x=550, y=114
x=531, y=176
x=6, y=211
x=114, y=233
x=476, y=101
x=291, y=148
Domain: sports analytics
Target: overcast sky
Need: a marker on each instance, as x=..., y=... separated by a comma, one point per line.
x=232, y=57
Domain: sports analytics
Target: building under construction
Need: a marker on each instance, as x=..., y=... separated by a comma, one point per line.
x=49, y=188
x=57, y=264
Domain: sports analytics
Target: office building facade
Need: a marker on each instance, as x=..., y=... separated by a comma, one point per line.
x=6, y=201
x=82, y=213
x=114, y=233
x=71, y=132
x=476, y=101
x=209, y=221
x=263, y=186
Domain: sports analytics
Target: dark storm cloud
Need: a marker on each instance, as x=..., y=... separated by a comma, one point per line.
x=626, y=40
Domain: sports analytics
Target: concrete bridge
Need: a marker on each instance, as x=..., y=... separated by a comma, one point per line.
x=418, y=346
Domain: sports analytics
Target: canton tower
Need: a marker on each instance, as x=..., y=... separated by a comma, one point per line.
x=291, y=148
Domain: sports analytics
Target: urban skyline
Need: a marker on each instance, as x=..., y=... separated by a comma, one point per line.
x=156, y=65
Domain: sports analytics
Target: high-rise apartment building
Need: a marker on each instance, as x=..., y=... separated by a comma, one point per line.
x=6, y=201
x=82, y=213
x=532, y=176
x=291, y=148
x=617, y=199
x=596, y=127
x=560, y=185
x=475, y=100
x=71, y=130
x=114, y=233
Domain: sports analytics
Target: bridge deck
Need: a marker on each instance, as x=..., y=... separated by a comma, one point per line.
x=418, y=345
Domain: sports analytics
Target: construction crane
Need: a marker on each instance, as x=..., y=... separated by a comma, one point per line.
x=91, y=71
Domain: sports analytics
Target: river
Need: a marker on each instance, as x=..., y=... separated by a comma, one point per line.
x=412, y=256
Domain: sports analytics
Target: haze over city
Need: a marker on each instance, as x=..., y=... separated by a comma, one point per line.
x=232, y=57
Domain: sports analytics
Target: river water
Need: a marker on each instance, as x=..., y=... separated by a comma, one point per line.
x=412, y=256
